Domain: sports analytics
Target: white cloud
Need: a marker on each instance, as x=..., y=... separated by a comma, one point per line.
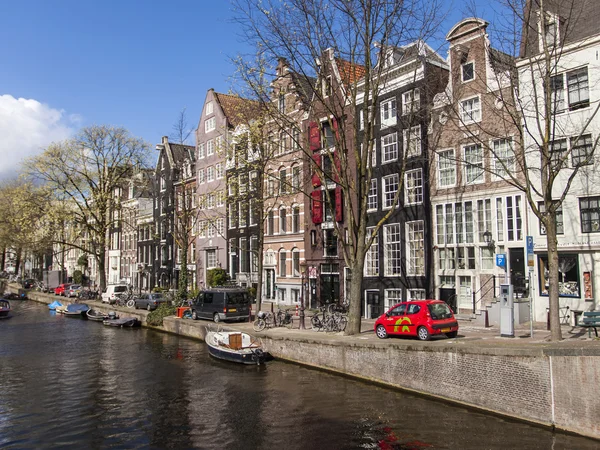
x=27, y=127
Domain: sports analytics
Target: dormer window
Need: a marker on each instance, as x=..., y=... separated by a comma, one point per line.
x=468, y=71
x=282, y=103
x=389, y=60
x=548, y=31
x=327, y=86
x=209, y=108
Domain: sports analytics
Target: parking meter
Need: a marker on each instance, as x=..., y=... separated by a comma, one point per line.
x=507, y=311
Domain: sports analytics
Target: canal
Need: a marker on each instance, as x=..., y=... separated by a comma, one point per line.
x=72, y=383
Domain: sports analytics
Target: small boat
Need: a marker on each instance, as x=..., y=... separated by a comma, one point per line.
x=99, y=316
x=4, y=309
x=235, y=346
x=61, y=309
x=76, y=310
x=123, y=323
x=55, y=304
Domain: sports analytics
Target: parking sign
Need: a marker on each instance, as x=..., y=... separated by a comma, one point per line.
x=501, y=260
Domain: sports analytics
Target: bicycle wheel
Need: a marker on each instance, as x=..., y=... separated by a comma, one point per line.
x=342, y=322
x=288, y=322
x=259, y=325
x=130, y=303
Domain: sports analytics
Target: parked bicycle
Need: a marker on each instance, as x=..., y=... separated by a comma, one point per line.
x=125, y=299
x=329, y=322
x=87, y=294
x=263, y=320
x=341, y=308
x=284, y=318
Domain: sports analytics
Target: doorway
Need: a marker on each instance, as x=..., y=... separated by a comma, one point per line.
x=374, y=307
x=448, y=295
x=516, y=261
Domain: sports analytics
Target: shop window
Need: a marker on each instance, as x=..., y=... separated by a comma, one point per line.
x=568, y=275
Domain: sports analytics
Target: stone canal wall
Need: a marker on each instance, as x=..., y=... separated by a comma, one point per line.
x=549, y=384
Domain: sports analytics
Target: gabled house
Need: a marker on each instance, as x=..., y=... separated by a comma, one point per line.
x=398, y=265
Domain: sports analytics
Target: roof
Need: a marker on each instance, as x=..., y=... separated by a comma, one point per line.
x=238, y=110
x=350, y=72
x=182, y=152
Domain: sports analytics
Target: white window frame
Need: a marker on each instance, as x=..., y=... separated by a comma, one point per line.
x=219, y=172
x=472, y=167
x=411, y=101
x=412, y=141
x=392, y=250
x=468, y=116
x=415, y=247
x=462, y=71
x=392, y=297
x=201, y=148
x=210, y=147
x=504, y=154
x=389, y=195
x=209, y=108
x=372, y=256
x=200, y=175
x=388, y=112
x=210, y=124
x=372, y=198
x=413, y=187
x=389, y=141
x=210, y=174
x=446, y=166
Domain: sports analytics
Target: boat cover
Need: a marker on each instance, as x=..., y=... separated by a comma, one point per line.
x=77, y=307
x=54, y=304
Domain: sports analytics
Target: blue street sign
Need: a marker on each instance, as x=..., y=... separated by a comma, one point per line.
x=501, y=260
x=530, y=245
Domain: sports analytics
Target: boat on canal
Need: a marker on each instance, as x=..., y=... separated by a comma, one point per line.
x=78, y=310
x=99, y=316
x=235, y=346
x=55, y=304
x=4, y=309
x=128, y=322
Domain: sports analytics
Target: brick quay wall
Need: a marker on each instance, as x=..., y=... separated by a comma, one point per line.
x=550, y=384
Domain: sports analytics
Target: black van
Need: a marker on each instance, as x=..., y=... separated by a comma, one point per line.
x=221, y=304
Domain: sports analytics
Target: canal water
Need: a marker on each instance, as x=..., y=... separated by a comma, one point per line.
x=71, y=383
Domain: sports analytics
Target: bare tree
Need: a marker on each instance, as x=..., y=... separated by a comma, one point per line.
x=311, y=34
x=87, y=172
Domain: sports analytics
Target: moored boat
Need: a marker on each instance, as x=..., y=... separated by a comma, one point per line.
x=235, y=346
x=128, y=322
x=4, y=309
x=99, y=316
x=55, y=304
x=76, y=310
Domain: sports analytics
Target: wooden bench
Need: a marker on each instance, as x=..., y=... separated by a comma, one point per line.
x=589, y=320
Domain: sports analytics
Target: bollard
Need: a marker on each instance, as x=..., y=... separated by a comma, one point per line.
x=296, y=310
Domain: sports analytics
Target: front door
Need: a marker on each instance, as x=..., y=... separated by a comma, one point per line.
x=374, y=305
x=516, y=261
x=330, y=288
x=448, y=295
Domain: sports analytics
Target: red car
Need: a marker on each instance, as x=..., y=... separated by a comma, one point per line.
x=421, y=318
x=61, y=288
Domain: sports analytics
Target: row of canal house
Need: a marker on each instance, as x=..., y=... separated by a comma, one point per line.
x=436, y=120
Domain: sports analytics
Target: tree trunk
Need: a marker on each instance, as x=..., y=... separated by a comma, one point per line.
x=355, y=298
x=183, y=277
x=3, y=267
x=18, y=261
x=101, y=269
x=553, y=289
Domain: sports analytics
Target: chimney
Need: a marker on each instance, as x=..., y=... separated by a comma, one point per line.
x=165, y=140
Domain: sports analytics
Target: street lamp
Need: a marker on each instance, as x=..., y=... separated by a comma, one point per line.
x=302, y=269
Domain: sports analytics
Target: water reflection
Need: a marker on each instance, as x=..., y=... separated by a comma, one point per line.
x=74, y=384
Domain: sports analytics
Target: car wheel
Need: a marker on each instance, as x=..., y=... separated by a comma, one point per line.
x=194, y=315
x=452, y=334
x=216, y=318
x=423, y=334
x=149, y=308
x=380, y=332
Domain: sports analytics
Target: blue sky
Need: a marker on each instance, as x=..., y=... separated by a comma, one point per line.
x=68, y=64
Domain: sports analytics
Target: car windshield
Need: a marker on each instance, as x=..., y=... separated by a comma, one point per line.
x=120, y=288
x=237, y=298
x=439, y=311
x=157, y=296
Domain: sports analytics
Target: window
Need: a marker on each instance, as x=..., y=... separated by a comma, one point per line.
x=372, y=256
x=296, y=139
x=296, y=263
x=389, y=148
x=505, y=157
x=412, y=141
x=416, y=247
x=210, y=201
x=392, y=297
x=219, y=170
x=281, y=103
x=388, y=113
x=372, y=197
x=282, y=260
x=210, y=124
x=270, y=223
x=244, y=260
x=454, y=223
x=282, y=221
x=210, y=230
x=326, y=86
x=484, y=217
x=581, y=150
x=200, y=176
x=473, y=164
x=411, y=101
x=415, y=294
x=550, y=31
x=242, y=183
x=202, y=228
x=414, y=186
x=589, y=209
x=390, y=188
x=220, y=198
x=210, y=173
x=283, y=181
x=211, y=259
x=446, y=168
x=514, y=221
x=254, y=254
x=233, y=215
x=568, y=277
x=329, y=243
x=296, y=219
x=559, y=219
x=221, y=227
x=558, y=151
x=210, y=147
x=392, y=254
x=468, y=71
x=470, y=110
x=446, y=259
x=327, y=135
x=209, y=108
x=243, y=209
x=282, y=142
x=487, y=258
x=361, y=119
x=296, y=178
x=577, y=94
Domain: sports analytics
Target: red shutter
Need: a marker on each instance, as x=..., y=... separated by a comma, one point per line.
x=316, y=179
x=334, y=125
x=314, y=136
x=338, y=167
x=317, y=207
x=339, y=204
